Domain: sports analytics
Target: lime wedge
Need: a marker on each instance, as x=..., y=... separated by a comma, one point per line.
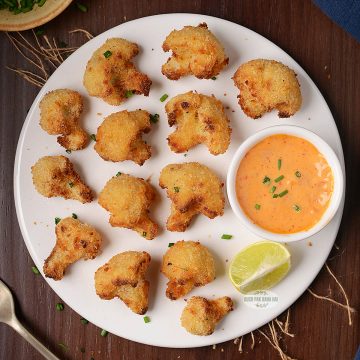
x=259, y=266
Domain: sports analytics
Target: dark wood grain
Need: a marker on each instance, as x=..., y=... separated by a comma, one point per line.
x=329, y=55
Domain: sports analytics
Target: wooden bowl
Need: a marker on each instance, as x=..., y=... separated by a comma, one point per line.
x=34, y=18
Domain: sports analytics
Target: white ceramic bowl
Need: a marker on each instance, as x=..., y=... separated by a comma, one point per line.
x=321, y=145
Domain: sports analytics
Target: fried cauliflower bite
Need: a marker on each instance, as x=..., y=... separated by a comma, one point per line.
x=199, y=119
x=124, y=277
x=266, y=85
x=111, y=75
x=128, y=200
x=200, y=316
x=187, y=264
x=55, y=176
x=193, y=189
x=74, y=240
x=60, y=112
x=118, y=138
x=196, y=51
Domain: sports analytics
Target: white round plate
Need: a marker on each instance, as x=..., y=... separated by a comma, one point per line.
x=36, y=213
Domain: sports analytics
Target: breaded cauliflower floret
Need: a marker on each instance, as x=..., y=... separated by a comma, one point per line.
x=128, y=200
x=187, y=264
x=123, y=276
x=199, y=119
x=55, y=176
x=200, y=316
x=266, y=85
x=74, y=240
x=118, y=138
x=193, y=189
x=60, y=112
x=196, y=51
x=111, y=75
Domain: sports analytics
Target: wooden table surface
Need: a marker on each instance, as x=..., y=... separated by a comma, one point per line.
x=329, y=55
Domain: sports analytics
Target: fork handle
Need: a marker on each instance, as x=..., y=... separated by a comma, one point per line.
x=20, y=329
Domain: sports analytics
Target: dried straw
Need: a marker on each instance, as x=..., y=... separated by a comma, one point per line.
x=346, y=306
x=43, y=56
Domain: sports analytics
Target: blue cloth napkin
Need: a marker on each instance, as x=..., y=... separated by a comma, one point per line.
x=345, y=13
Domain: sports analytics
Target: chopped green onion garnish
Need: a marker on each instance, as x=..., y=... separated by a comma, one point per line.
x=154, y=118
x=257, y=206
x=144, y=234
x=226, y=236
x=164, y=97
x=82, y=7
x=71, y=184
x=35, y=270
x=298, y=174
x=57, y=220
x=146, y=319
x=129, y=93
x=213, y=78
x=93, y=137
x=104, y=333
x=283, y=193
x=266, y=180
x=39, y=31
x=272, y=190
x=118, y=173
x=279, y=178
x=107, y=54
x=68, y=151
x=171, y=244
x=275, y=196
x=74, y=216
x=185, y=155
x=297, y=208
x=279, y=164
x=176, y=189
x=84, y=321
x=63, y=346
x=59, y=307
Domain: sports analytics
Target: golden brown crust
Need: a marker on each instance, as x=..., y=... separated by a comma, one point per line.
x=123, y=276
x=118, y=138
x=128, y=200
x=193, y=189
x=196, y=51
x=55, y=176
x=112, y=77
x=74, y=240
x=60, y=112
x=199, y=119
x=266, y=85
x=200, y=316
x=187, y=264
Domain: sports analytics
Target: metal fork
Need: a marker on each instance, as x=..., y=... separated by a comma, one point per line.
x=7, y=316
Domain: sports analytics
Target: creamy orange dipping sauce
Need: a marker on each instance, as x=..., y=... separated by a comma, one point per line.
x=284, y=184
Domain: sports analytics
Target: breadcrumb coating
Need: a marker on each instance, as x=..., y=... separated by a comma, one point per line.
x=196, y=51
x=128, y=200
x=55, y=176
x=187, y=264
x=74, y=240
x=266, y=85
x=199, y=119
x=60, y=111
x=123, y=276
x=111, y=75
